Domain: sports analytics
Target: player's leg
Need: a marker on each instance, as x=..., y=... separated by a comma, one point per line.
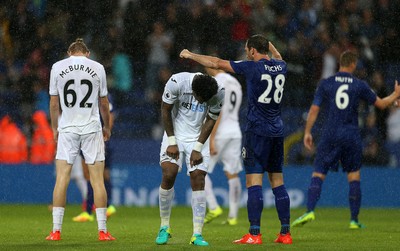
x=197, y=180
x=231, y=158
x=86, y=215
x=275, y=176
x=170, y=168
x=235, y=191
x=255, y=200
x=354, y=199
x=63, y=170
x=67, y=150
x=327, y=156
x=93, y=153
x=351, y=162
x=214, y=210
x=107, y=181
x=313, y=195
x=282, y=204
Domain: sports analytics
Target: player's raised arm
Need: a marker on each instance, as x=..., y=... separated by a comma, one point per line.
x=275, y=53
x=382, y=103
x=207, y=61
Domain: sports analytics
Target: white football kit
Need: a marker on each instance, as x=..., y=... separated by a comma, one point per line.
x=228, y=138
x=188, y=116
x=79, y=82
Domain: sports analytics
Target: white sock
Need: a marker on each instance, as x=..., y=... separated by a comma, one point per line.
x=58, y=215
x=165, y=203
x=235, y=191
x=199, y=210
x=210, y=196
x=101, y=219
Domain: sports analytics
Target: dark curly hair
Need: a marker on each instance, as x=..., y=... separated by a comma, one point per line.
x=204, y=86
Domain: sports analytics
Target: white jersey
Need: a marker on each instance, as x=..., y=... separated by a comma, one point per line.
x=188, y=114
x=229, y=122
x=79, y=82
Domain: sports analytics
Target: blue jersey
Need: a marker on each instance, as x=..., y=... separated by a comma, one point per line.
x=265, y=80
x=340, y=95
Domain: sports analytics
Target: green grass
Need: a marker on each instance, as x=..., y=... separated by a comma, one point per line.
x=24, y=227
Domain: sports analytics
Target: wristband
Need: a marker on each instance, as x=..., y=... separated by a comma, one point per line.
x=171, y=140
x=198, y=146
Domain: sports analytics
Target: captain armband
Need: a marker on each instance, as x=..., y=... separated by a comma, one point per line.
x=213, y=116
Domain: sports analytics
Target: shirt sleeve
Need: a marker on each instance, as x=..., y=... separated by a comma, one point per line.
x=103, y=82
x=216, y=105
x=53, y=91
x=171, y=91
x=319, y=94
x=368, y=94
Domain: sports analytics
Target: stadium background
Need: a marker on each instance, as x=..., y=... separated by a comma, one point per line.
x=309, y=34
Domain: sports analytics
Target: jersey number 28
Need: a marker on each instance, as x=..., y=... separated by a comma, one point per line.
x=278, y=93
x=72, y=93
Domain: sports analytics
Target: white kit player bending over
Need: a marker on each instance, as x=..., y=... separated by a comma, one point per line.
x=191, y=105
x=225, y=146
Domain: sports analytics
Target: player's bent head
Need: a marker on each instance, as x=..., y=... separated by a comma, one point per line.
x=78, y=46
x=348, y=58
x=204, y=87
x=258, y=42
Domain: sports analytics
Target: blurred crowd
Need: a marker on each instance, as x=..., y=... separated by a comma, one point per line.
x=139, y=41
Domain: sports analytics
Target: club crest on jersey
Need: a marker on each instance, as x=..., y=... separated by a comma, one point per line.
x=167, y=94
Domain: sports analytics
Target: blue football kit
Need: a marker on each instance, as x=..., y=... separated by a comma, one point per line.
x=263, y=141
x=339, y=96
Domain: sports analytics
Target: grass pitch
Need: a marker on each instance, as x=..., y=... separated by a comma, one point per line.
x=24, y=227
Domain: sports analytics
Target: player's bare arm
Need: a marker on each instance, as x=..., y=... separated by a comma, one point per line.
x=166, y=109
x=104, y=106
x=207, y=61
x=275, y=53
x=311, y=118
x=196, y=157
x=54, y=115
x=213, y=150
x=388, y=100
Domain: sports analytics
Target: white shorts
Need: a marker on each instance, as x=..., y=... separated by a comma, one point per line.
x=229, y=153
x=69, y=145
x=185, y=150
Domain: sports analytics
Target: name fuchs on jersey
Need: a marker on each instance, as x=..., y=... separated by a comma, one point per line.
x=273, y=68
x=78, y=67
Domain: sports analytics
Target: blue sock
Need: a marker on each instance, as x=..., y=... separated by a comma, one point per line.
x=282, y=204
x=107, y=184
x=89, y=198
x=354, y=199
x=314, y=193
x=255, y=205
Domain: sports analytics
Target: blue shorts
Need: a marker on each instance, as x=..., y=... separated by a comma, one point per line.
x=262, y=154
x=346, y=150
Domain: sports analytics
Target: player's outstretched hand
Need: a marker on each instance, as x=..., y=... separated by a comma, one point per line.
x=185, y=53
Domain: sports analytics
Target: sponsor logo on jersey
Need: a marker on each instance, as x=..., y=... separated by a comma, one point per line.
x=195, y=107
